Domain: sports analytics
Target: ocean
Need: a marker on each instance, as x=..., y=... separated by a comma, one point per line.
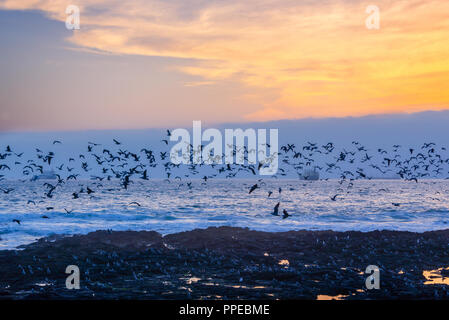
x=174, y=206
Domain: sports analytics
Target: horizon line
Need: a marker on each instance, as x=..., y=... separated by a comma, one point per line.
x=221, y=124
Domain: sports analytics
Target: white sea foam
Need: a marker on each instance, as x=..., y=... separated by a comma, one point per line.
x=171, y=207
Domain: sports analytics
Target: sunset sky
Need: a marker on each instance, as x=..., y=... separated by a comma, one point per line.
x=145, y=63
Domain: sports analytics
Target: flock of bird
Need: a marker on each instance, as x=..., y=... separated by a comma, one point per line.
x=118, y=163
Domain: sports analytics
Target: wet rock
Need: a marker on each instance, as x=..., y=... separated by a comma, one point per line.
x=227, y=262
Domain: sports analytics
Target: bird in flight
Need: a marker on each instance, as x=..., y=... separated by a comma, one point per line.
x=276, y=209
x=285, y=214
x=7, y=191
x=254, y=187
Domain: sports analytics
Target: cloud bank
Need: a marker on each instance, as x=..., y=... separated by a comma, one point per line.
x=300, y=58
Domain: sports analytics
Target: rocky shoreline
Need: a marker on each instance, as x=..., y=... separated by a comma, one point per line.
x=230, y=263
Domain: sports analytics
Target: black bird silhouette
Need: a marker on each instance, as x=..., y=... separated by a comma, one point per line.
x=136, y=203
x=254, y=187
x=276, y=209
x=334, y=198
x=7, y=191
x=16, y=220
x=285, y=214
x=117, y=142
x=145, y=175
x=4, y=166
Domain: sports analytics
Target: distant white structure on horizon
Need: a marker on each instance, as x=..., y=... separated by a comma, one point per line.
x=310, y=174
x=46, y=175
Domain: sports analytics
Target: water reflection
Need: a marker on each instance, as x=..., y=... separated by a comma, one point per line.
x=435, y=276
x=326, y=297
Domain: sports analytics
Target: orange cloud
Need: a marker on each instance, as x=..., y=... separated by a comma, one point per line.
x=318, y=59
